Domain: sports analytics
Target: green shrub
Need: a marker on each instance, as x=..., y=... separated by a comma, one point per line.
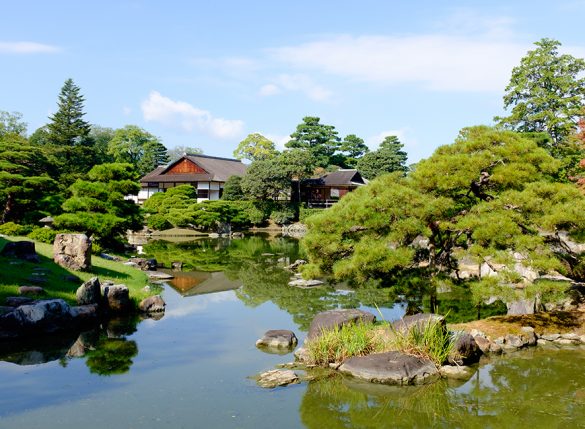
x=158, y=222
x=305, y=212
x=44, y=235
x=14, y=229
x=255, y=215
x=283, y=216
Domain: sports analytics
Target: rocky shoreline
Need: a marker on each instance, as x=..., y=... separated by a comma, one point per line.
x=473, y=347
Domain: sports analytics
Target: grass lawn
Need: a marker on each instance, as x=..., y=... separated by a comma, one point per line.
x=15, y=273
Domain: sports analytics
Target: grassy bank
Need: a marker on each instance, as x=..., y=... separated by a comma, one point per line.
x=59, y=282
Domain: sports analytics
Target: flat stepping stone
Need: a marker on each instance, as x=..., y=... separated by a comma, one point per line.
x=278, y=338
x=456, y=372
x=157, y=275
x=332, y=319
x=17, y=301
x=391, y=368
x=31, y=290
x=277, y=377
x=305, y=283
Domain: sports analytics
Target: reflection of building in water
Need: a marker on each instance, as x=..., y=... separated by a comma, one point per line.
x=199, y=282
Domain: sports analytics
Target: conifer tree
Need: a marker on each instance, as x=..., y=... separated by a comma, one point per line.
x=67, y=126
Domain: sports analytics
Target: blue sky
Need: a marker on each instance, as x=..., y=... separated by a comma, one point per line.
x=206, y=74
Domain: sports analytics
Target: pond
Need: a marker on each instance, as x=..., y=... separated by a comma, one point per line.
x=192, y=367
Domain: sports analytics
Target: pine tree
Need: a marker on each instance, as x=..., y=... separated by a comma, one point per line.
x=67, y=126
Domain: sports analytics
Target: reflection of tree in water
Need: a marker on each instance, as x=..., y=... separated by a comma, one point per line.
x=339, y=402
x=533, y=388
x=111, y=356
x=258, y=262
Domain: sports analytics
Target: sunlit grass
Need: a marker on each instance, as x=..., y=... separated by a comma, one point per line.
x=59, y=283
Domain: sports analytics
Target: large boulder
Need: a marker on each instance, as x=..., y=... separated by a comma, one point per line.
x=144, y=264
x=40, y=317
x=116, y=298
x=72, y=251
x=24, y=250
x=465, y=350
x=152, y=304
x=419, y=321
x=523, y=306
x=278, y=338
x=391, y=368
x=332, y=319
x=89, y=292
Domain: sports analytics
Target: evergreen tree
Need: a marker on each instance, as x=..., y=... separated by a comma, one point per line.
x=67, y=126
x=320, y=140
x=232, y=189
x=97, y=206
x=546, y=93
x=25, y=188
x=138, y=147
x=387, y=159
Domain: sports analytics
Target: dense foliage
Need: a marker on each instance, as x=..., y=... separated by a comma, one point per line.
x=546, y=92
x=388, y=158
x=487, y=198
x=97, y=206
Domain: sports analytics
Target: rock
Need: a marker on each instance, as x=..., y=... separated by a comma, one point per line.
x=85, y=314
x=116, y=298
x=391, y=368
x=301, y=283
x=4, y=309
x=152, y=304
x=302, y=355
x=89, y=292
x=177, y=265
x=237, y=234
x=483, y=343
x=513, y=342
x=72, y=251
x=109, y=257
x=419, y=320
x=456, y=372
x=71, y=278
x=465, y=351
x=144, y=264
x=277, y=377
x=40, y=317
x=541, y=342
x=571, y=336
x=279, y=338
x=335, y=318
x=566, y=342
x=24, y=250
x=157, y=275
x=550, y=337
x=295, y=265
x=523, y=306
x=31, y=290
x=528, y=336
x=17, y=301
x=213, y=235
x=495, y=348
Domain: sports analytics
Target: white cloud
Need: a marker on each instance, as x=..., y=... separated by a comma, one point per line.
x=27, y=48
x=182, y=115
x=296, y=83
x=438, y=61
x=269, y=90
x=278, y=140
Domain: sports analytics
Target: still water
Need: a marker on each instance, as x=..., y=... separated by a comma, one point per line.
x=191, y=368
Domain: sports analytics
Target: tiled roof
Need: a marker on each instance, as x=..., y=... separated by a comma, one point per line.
x=218, y=169
x=338, y=178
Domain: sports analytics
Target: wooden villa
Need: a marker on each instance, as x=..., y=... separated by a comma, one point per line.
x=326, y=190
x=206, y=173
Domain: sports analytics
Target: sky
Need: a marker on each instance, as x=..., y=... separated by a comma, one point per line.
x=207, y=74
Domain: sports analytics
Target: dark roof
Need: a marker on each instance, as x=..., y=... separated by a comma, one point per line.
x=218, y=170
x=338, y=178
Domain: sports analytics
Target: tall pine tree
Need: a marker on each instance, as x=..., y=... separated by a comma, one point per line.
x=67, y=126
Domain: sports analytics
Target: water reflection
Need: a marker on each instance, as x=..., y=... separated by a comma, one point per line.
x=255, y=267
x=106, y=349
x=536, y=388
